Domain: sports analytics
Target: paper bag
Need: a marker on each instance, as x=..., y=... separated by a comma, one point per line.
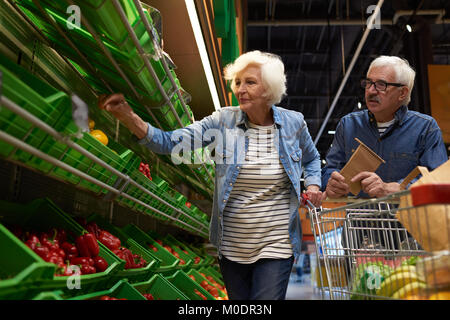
x=428, y=224
x=363, y=159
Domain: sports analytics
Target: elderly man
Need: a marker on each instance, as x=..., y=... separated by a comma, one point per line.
x=403, y=138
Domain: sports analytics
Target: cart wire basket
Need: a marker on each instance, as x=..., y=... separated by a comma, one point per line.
x=396, y=247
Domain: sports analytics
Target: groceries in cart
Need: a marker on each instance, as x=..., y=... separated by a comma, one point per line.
x=396, y=247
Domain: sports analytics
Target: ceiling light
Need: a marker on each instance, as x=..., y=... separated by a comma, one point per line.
x=409, y=28
x=359, y=105
x=331, y=132
x=198, y=34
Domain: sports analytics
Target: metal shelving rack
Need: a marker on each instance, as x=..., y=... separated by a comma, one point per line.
x=19, y=144
x=117, y=67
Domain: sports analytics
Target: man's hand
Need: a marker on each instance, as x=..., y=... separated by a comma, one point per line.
x=336, y=186
x=119, y=108
x=314, y=195
x=372, y=184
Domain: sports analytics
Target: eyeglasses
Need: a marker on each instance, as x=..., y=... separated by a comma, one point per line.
x=380, y=85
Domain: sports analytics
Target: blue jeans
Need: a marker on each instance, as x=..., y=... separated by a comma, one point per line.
x=265, y=279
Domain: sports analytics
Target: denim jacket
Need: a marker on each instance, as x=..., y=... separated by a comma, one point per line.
x=414, y=139
x=225, y=130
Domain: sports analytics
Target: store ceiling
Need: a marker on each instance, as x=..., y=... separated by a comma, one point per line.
x=314, y=37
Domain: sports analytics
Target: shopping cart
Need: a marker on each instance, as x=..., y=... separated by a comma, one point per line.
x=384, y=248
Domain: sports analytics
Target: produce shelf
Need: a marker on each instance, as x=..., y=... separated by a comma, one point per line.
x=160, y=288
x=42, y=215
x=125, y=179
x=133, y=275
x=168, y=261
x=153, y=68
x=188, y=286
x=121, y=290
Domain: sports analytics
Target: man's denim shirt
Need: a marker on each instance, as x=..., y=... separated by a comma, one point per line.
x=414, y=139
x=225, y=131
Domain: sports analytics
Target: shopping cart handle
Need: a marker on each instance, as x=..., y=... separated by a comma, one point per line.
x=305, y=199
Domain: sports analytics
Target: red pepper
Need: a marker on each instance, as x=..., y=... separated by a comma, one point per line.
x=69, y=248
x=42, y=252
x=100, y=264
x=125, y=254
x=33, y=242
x=80, y=261
x=148, y=296
x=92, y=244
x=110, y=241
x=70, y=256
x=87, y=269
x=87, y=245
x=65, y=271
x=128, y=258
x=82, y=247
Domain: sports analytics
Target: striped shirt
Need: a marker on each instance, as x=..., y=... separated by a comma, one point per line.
x=256, y=217
x=382, y=126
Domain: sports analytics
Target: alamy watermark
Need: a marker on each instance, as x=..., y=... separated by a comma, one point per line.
x=376, y=15
x=74, y=20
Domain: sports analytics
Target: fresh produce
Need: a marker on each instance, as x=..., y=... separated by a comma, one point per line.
x=111, y=298
x=188, y=204
x=132, y=261
x=110, y=241
x=171, y=250
x=54, y=246
x=91, y=124
x=443, y=295
x=396, y=282
x=87, y=245
x=411, y=289
x=412, y=261
x=148, y=296
x=100, y=136
x=368, y=277
x=145, y=169
x=201, y=295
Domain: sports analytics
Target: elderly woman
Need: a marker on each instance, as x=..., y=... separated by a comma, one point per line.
x=261, y=152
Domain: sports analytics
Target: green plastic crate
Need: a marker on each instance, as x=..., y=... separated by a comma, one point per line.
x=53, y=108
x=187, y=259
x=43, y=214
x=21, y=268
x=168, y=261
x=188, y=286
x=133, y=275
x=79, y=161
x=215, y=273
x=121, y=290
x=186, y=249
x=49, y=295
x=137, y=193
x=160, y=288
x=199, y=278
x=208, y=272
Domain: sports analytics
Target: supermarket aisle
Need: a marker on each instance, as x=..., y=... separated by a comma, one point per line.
x=301, y=290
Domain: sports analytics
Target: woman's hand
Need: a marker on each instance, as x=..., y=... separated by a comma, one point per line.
x=119, y=108
x=314, y=195
x=116, y=105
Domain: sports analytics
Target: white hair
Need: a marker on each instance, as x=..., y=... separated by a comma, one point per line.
x=272, y=73
x=404, y=73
